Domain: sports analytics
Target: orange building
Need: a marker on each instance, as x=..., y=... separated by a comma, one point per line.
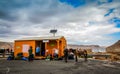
x=46, y=44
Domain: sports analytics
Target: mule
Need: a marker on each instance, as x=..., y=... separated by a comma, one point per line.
x=80, y=53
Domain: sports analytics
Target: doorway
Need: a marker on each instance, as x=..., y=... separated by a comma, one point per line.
x=41, y=46
x=43, y=49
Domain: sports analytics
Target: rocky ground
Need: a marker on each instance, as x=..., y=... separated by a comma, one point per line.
x=59, y=67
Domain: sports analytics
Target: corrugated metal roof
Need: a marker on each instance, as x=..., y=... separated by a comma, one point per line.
x=42, y=38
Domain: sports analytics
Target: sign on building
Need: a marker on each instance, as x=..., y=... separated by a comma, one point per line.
x=25, y=48
x=45, y=40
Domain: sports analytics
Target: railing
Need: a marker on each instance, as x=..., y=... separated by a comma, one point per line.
x=4, y=55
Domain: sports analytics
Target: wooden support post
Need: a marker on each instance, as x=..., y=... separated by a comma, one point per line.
x=46, y=53
x=58, y=48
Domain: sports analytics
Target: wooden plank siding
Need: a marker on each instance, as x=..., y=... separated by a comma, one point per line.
x=59, y=43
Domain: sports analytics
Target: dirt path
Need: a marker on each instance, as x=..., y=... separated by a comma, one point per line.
x=58, y=67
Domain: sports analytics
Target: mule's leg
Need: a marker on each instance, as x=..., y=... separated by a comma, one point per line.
x=66, y=58
x=85, y=56
x=76, y=58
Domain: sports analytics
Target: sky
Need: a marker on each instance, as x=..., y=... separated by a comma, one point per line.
x=81, y=22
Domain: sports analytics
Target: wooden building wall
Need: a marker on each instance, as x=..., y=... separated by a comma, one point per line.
x=19, y=46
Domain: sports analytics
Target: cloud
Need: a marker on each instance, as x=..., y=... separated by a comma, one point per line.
x=104, y=1
x=80, y=25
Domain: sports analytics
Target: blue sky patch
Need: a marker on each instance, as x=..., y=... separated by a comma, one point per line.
x=115, y=20
x=116, y=35
x=74, y=3
x=109, y=11
x=110, y=1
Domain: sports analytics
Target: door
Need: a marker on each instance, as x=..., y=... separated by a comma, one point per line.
x=42, y=49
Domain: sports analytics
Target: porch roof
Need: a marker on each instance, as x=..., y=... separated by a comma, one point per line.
x=41, y=38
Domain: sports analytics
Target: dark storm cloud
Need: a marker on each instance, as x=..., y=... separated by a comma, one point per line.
x=13, y=4
x=2, y=14
x=8, y=6
x=36, y=9
x=7, y=16
x=5, y=29
x=40, y=17
x=18, y=14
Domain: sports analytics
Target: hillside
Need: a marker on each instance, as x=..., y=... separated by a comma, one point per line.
x=82, y=46
x=6, y=45
x=94, y=48
x=115, y=48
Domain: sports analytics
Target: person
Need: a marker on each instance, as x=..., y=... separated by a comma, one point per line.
x=46, y=51
x=85, y=55
x=37, y=51
x=8, y=50
x=71, y=54
x=66, y=54
x=56, y=51
x=12, y=54
x=11, y=51
x=30, y=57
x=3, y=52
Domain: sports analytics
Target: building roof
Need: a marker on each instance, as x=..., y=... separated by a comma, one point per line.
x=41, y=38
